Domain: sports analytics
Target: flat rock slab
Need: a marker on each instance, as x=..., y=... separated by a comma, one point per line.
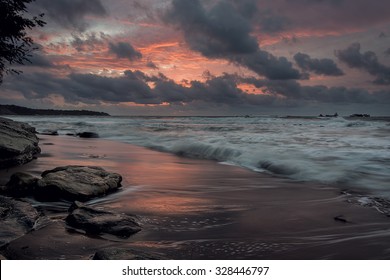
x=95, y=222
x=18, y=143
x=16, y=219
x=76, y=183
x=124, y=254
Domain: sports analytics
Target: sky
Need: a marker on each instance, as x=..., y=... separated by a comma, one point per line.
x=214, y=57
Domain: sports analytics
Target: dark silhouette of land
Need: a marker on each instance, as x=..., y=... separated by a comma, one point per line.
x=18, y=110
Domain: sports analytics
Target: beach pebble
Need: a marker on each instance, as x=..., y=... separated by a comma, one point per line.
x=76, y=183
x=16, y=219
x=18, y=143
x=124, y=254
x=94, y=221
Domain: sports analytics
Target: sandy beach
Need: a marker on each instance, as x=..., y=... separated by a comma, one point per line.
x=199, y=209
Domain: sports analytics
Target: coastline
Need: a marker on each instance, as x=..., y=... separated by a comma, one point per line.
x=200, y=209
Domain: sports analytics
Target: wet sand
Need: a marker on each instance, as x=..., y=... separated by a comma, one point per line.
x=198, y=209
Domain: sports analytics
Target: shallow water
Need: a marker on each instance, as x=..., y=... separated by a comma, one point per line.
x=192, y=208
x=351, y=152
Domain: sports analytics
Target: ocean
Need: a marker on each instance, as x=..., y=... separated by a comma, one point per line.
x=351, y=153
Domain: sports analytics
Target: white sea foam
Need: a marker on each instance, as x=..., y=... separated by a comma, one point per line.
x=334, y=150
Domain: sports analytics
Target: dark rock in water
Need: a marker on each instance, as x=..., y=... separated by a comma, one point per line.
x=124, y=254
x=18, y=143
x=16, y=219
x=88, y=135
x=341, y=218
x=21, y=185
x=75, y=205
x=49, y=132
x=76, y=183
x=70, y=134
x=94, y=222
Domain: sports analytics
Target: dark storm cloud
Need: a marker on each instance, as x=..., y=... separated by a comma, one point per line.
x=71, y=13
x=292, y=90
x=124, y=50
x=86, y=88
x=323, y=66
x=268, y=65
x=323, y=15
x=223, y=31
x=217, y=32
x=387, y=52
x=367, y=61
x=224, y=90
x=39, y=60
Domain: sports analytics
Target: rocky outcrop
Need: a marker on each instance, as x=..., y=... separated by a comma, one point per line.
x=76, y=183
x=16, y=219
x=124, y=254
x=18, y=143
x=95, y=222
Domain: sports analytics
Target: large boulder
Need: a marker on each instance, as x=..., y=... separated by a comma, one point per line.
x=16, y=219
x=18, y=143
x=76, y=183
x=95, y=222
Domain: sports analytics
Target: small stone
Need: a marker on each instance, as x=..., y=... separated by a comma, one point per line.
x=88, y=135
x=95, y=222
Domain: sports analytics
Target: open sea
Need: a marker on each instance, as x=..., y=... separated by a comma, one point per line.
x=352, y=153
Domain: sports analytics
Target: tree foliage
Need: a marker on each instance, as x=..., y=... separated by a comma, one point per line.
x=15, y=44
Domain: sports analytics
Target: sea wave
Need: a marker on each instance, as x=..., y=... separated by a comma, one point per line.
x=334, y=151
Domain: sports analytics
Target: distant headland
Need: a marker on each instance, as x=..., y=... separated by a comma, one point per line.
x=24, y=111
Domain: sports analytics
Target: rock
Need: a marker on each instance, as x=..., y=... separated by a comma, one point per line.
x=21, y=185
x=94, y=222
x=18, y=143
x=16, y=219
x=49, y=132
x=75, y=205
x=341, y=218
x=2, y=258
x=87, y=135
x=76, y=183
x=124, y=254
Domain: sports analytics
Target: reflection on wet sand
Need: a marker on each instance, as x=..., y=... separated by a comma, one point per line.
x=201, y=209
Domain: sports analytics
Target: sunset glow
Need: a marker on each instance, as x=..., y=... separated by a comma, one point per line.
x=241, y=46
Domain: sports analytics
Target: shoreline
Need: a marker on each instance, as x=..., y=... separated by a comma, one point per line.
x=200, y=209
